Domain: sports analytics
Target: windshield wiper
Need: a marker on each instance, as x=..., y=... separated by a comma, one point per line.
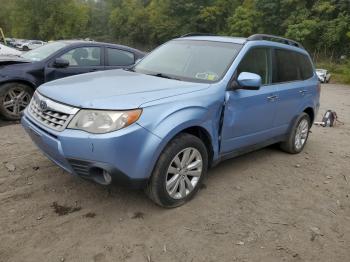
x=130, y=69
x=163, y=76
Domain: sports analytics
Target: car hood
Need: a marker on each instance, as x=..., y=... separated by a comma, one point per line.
x=115, y=89
x=12, y=59
x=5, y=50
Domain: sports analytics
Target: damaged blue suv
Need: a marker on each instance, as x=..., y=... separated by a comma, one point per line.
x=189, y=104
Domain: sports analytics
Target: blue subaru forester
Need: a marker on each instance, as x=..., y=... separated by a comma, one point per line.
x=188, y=105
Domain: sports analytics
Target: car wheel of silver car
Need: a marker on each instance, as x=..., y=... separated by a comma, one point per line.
x=14, y=98
x=179, y=171
x=298, y=135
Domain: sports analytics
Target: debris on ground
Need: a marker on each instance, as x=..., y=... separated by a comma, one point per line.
x=315, y=231
x=90, y=215
x=64, y=210
x=137, y=215
x=10, y=167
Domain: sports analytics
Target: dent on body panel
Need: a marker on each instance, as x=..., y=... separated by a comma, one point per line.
x=229, y=114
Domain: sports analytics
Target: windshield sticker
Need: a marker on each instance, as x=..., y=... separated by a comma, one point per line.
x=207, y=76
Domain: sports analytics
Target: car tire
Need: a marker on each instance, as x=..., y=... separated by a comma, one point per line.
x=25, y=48
x=298, y=135
x=170, y=184
x=14, y=97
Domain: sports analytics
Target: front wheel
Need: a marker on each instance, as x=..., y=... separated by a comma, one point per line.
x=179, y=171
x=14, y=98
x=298, y=135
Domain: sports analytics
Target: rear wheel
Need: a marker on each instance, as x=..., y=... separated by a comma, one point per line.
x=179, y=171
x=25, y=48
x=14, y=98
x=298, y=135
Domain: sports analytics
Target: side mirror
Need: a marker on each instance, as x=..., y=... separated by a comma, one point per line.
x=61, y=63
x=247, y=81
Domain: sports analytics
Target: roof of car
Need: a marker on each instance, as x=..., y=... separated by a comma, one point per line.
x=257, y=38
x=77, y=42
x=228, y=39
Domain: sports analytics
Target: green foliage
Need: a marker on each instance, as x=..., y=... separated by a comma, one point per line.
x=242, y=22
x=322, y=26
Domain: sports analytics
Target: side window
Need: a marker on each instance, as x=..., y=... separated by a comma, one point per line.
x=83, y=56
x=257, y=61
x=117, y=57
x=305, y=65
x=286, y=67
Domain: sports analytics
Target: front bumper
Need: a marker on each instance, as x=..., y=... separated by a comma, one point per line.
x=128, y=155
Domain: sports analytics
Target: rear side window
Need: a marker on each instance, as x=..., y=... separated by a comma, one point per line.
x=291, y=66
x=257, y=61
x=117, y=57
x=306, y=67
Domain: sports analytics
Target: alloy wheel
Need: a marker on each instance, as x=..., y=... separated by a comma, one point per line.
x=183, y=173
x=16, y=100
x=301, y=134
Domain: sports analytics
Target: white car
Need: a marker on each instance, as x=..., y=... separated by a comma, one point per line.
x=5, y=51
x=30, y=45
x=323, y=75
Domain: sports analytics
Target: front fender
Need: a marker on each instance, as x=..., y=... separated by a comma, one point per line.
x=29, y=82
x=173, y=121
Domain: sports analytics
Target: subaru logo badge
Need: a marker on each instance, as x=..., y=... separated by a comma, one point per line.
x=43, y=105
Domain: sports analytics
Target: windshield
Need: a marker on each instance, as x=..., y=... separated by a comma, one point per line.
x=190, y=60
x=44, y=51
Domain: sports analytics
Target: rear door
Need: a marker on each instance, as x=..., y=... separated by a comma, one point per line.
x=249, y=114
x=118, y=58
x=81, y=60
x=291, y=73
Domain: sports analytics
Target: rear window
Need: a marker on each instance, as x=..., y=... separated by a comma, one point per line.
x=291, y=66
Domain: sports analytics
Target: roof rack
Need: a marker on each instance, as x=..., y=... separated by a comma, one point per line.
x=197, y=34
x=275, y=39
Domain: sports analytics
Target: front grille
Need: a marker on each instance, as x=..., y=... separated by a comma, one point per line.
x=50, y=113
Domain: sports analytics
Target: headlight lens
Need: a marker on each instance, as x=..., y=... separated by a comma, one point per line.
x=100, y=121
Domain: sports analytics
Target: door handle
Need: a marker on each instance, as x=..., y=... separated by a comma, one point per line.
x=303, y=92
x=272, y=98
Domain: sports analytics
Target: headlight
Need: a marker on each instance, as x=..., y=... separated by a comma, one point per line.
x=100, y=121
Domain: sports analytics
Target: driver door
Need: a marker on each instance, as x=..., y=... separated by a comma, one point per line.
x=81, y=60
x=249, y=114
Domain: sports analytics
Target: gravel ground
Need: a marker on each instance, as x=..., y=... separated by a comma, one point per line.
x=263, y=206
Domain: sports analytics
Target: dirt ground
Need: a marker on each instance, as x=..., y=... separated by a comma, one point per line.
x=264, y=206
